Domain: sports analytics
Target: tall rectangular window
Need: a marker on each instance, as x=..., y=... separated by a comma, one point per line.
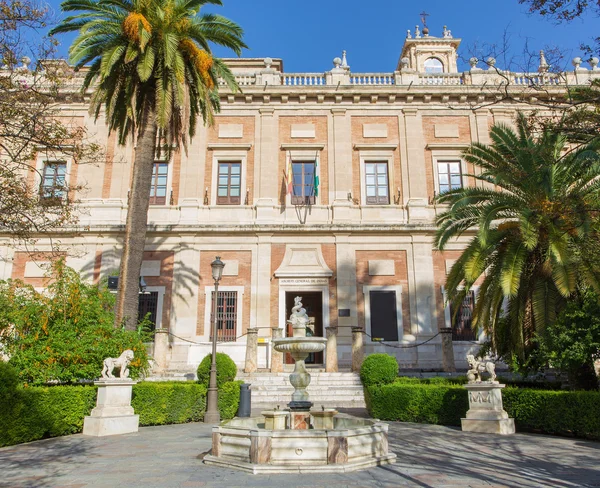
x=449, y=175
x=377, y=183
x=303, y=183
x=158, y=188
x=229, y=183
x=54, y=180
x=462, y=321
x=384, y=316
x=226, y=316
x=148, y=304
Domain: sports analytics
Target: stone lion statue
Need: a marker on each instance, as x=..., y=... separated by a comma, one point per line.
x=478, y=367
x=121, y=362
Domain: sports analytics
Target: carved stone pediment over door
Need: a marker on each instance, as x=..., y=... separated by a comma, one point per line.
x=303, y=260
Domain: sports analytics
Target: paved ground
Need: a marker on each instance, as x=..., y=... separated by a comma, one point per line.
x=428, y=456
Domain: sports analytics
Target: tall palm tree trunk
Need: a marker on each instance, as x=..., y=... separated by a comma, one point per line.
x=136, y=223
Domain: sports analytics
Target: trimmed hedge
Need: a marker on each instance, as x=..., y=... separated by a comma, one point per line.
x=226, y=369
x=574, y=413
x=229, y=399
x=169, y=402
x=378, y=369
x=29, y=414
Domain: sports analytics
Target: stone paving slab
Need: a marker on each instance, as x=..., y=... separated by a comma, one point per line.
x=428, y=456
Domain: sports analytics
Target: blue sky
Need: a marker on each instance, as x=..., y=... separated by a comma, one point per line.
x=308, y=34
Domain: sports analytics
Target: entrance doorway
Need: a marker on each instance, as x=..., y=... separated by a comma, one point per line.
x=312, y=301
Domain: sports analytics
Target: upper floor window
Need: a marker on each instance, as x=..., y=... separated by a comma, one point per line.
x=304, y=183
x=158, y=188
x=433, y=65
x=54, y=180
x=462, y=320
x=449, y=175
x=229, y=183
x=377, y=183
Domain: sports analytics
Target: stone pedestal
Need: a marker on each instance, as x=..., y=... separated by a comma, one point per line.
x=275, y=419
x=486, y=414
x=113, y=413
x=323, y=419
x=358, y=350
x=276, y=356
x=447, y=350
x=331, y=358
x=161, y=349
x=251, y=351
x=300, y=420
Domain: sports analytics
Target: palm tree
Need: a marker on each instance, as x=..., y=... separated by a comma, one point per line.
x=151, y=69
x=534, y=219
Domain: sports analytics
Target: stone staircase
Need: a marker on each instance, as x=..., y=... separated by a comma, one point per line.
x=340, y=390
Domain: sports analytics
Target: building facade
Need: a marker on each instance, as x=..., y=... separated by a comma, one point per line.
x=318, y=185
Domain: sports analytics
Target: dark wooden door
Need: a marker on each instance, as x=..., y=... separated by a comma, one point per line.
x=384, y=318
x=312, y=301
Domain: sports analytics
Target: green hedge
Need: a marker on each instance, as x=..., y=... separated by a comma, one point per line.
x=229, y=399
x=379, y=369
x=552, y=412
x=226, y=369
x=169, y=402
x=29, y=414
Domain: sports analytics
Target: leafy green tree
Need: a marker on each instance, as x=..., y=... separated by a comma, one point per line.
x=572, y=342
x=153, y=73
x=534, y=220
x=64, y=333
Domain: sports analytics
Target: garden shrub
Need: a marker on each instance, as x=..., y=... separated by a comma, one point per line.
x=229, y=399
x=63, y=334
x=378, y=369
x=174, y=402
x=38, y=412
x=226, y=369
x=552, y=412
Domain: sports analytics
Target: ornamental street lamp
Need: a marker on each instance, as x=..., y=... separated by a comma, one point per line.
x=212, y=415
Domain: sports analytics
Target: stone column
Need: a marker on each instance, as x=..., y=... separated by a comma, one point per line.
x=161, y=349
x=417, y=181
x=276, y=356
x=267, y=178
x=331, y=358
x=358, y=351
x=251, y=351
x=447, y=350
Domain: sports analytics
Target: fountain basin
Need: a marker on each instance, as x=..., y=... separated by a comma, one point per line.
x=353, y=443
x=300, y=344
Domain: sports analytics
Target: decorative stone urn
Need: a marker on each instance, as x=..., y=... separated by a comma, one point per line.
x=299, y=346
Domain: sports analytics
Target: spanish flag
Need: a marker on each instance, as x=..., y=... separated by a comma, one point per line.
x=289, y=177
x=316, y=180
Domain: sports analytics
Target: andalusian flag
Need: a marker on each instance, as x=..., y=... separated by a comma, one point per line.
x=316, y=182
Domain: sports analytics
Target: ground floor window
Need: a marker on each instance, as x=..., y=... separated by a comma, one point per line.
x=227, y=312
x=462, y=320
x=148, y=304
x=384, y=315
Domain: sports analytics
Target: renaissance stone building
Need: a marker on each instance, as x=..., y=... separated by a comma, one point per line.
x=318, y=185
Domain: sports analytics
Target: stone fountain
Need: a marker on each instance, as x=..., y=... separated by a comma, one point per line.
x=300, y=439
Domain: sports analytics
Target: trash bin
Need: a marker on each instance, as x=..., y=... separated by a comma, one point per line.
x=245, y=400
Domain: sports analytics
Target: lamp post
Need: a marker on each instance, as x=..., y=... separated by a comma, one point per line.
x=212, y=415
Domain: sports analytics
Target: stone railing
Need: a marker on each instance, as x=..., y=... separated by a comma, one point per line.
x=304, y=79
x=372, y=79
x=441, y=79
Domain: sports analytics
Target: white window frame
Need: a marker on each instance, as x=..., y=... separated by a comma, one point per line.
x=208, y=291
x=40, y=166
x=229, y=156
x=169, y=188
x=303, y=156
x=448, y=317
x=367, y=289
x=371, y=156
x=441, y=156
x=159, y=303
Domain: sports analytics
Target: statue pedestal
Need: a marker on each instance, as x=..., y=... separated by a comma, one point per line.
x=486, y=414
x=113, y=414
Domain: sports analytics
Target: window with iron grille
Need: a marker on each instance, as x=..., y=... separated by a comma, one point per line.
x=377, y=183
x=449, y=175
x=148, y=304
x=303, y=183
x=229, y=183
x=158, y=188
x=54, y=180
x=462, y=322
x=226, y=316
